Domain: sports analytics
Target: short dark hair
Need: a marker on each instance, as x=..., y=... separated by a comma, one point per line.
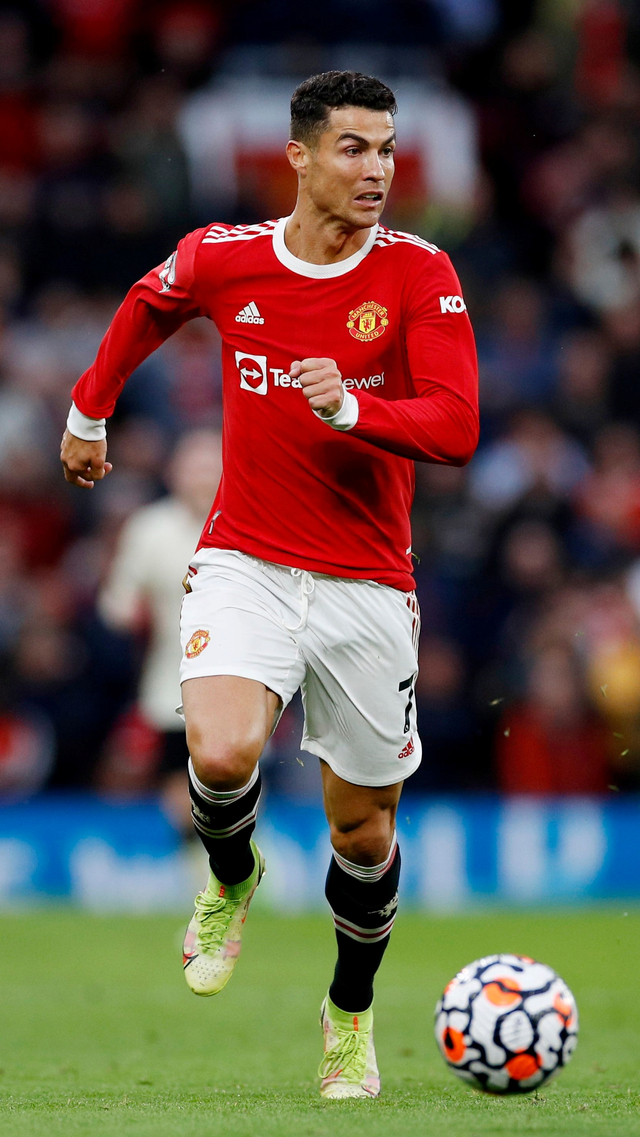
x=314, y=99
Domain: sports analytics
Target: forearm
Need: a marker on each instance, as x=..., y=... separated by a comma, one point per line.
x=441, y=427
x=135, y=331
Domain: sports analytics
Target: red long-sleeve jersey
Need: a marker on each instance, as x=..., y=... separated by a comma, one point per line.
x=294, y=490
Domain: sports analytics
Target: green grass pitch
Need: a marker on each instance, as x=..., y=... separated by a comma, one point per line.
x=101, y=1036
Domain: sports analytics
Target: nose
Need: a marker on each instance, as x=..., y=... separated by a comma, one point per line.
x=373, y=168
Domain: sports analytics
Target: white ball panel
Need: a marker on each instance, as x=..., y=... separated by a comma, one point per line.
x=460, y=994
x=516, y=1032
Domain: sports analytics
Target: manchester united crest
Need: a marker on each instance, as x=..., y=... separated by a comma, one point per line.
x=368, y=321
x=197, y=643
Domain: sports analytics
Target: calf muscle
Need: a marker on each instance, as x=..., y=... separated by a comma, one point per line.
x=361, y=818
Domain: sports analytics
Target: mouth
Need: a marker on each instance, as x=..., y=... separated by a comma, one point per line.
x=370, y=199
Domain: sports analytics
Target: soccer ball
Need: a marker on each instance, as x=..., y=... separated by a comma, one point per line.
x=506, y=1024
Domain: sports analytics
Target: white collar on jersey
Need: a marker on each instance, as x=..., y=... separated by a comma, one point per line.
x=305, y=268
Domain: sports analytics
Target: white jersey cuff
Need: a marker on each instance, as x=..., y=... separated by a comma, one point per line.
x=347, y=417
x=88, y=429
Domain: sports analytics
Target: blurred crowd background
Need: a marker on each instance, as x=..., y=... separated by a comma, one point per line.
x=126, y=123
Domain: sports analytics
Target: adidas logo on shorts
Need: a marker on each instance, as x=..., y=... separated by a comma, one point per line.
x=407, y=750
x=249, y=315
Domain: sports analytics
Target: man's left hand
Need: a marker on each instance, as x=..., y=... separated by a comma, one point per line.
x=321, y=384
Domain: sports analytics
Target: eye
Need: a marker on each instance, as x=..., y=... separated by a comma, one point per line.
x=352, y=151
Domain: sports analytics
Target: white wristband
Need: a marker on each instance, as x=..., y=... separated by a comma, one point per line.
x=347, y=417
x=88, y=429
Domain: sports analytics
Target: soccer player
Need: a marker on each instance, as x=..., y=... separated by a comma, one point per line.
x=347, y=355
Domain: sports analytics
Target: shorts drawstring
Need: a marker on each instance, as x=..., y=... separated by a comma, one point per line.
x=307, y=587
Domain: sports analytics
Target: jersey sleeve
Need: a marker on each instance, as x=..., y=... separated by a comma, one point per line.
x=441, y=423
x=151, y=312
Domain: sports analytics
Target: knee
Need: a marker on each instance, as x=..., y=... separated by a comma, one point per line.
x=365, y=843
x=224, y=764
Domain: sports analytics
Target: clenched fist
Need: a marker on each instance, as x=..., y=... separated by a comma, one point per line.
x=321, y=384
x=84, y=462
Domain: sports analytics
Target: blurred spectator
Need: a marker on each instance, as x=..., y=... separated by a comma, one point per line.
x=97, y=29
x=535, y=457
x=185, y=38
x=525, y=567
x=137, y=448
x=487, y=252
x=23, y=422
x=609, y=497
x=147, y=144
x=453, y=758
x=571, y=176
x=599, y=623
x=131, y=241
x=583, y=395
x=524, y=109
x=448, y=528
x=622, y=326
x=285, y=768
x=601, y=62
x=129, y=760
x=142, y=594
x=604, y=251
x=27, y=747
x=14, y=589
x=551, y=742
x=32, y=508
x=518, y=356
x=17, y=98
x=193, y=359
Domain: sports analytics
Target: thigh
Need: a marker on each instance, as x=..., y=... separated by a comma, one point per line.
x=231, y=625
x=360, y=649
x=227, y=715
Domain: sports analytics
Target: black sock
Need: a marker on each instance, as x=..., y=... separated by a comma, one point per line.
x=224, y=822
x=363, y=902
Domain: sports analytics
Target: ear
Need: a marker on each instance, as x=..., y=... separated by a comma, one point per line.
x=298, y=155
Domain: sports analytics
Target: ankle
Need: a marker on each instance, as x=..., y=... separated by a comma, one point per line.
x=349, y=1019
x=236, y=878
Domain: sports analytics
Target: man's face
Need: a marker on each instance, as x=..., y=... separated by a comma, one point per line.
x=349, y=170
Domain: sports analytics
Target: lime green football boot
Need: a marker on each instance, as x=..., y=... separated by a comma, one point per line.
x=213, y=939
x=349, y=1068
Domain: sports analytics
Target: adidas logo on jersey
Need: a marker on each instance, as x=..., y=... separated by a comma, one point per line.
x=249, y=315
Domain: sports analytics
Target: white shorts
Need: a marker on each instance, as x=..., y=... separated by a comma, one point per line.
x=350, y=645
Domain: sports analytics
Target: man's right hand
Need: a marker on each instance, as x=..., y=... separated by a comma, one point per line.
x=84, y=462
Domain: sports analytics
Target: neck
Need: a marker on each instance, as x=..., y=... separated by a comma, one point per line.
x=320, y=238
